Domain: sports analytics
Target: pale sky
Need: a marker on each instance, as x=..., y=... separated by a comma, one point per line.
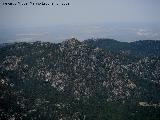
x=80, y=12
x=124, y=20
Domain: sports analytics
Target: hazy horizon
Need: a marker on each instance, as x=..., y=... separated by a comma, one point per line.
x=123, y=20
x=121, y=32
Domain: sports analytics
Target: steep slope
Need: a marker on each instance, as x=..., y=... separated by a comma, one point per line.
x=69, y=81
x=141, y=61
x=70, y=66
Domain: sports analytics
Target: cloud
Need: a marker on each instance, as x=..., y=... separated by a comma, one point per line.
x=148, y=34
x=144, y=32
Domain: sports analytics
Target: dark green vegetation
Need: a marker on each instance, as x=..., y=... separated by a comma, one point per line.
x=76, y=80
x=142, y=48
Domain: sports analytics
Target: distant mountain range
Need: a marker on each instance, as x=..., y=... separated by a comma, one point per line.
x=100, y=79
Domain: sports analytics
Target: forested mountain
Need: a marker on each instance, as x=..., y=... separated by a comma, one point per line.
x=76, y=80
x=142, y=48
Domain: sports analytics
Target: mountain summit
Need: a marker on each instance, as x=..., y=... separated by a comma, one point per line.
x=73, y=42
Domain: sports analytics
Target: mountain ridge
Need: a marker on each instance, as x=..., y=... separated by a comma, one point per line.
x=141, y=48
x=76, y=77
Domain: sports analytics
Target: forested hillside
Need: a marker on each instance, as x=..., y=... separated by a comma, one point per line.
x=73, y=80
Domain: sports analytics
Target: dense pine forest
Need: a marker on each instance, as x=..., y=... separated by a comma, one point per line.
x=96, y=79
